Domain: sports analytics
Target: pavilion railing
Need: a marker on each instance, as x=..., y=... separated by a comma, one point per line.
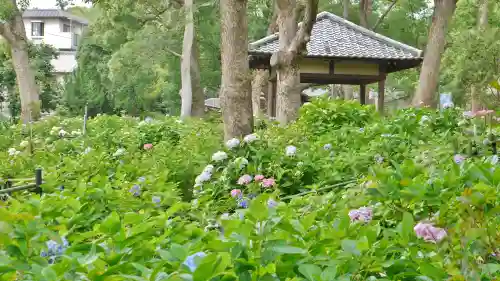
x=9, y=185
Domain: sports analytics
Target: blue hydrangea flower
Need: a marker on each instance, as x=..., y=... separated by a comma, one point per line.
x=141, y=179
x=193, y=260
x=361, y=130
x=327, y=146
x=243, y=204
x=156, y=199
x=272, y=204
x=135, y=190
x=458, y=158
x=43, y=254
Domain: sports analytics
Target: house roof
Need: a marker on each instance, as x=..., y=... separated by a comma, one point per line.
x=335, y=37
x=53, y=13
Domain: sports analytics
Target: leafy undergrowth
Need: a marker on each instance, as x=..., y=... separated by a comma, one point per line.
x=340, y=195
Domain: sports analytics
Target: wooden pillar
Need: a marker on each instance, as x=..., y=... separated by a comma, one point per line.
x=271, y=98
x=381, y=98
x=362, y=94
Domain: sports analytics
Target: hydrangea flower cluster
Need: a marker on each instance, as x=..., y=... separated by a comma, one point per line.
x=156, y=200
x=148, y=146
x=193, y=260
x=363, y=214
x=54, y=249
x=459, y=159
x=423, y=120
x=245, y=179
x=429, y=233
x=232, y=143
x=327, y=146
x=13, y=152
x=290, y=150
x=250, y=138
x=219, y=156
x=379, y=159
x=135, y=190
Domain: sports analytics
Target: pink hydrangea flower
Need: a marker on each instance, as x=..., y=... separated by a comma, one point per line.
x=236, y=193
x=363, y=214
x=244, y=180
x=148, y=146
x=259, y=178
x=270, y=182
x=429, y=233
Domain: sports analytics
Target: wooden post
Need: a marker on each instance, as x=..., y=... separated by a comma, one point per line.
x=362, y=93
x=380, y=99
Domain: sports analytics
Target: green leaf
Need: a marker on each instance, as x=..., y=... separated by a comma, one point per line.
x=288, y=250
x=407, y=227
x=111, y=224
x=211, y=266
x=49, y=274
x=349, y=246
x=310, y=271
x=329, y=273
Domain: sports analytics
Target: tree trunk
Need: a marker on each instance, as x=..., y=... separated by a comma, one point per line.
x=15, y=34
x=345, y=5
x=260, y=79
x=235, y=94
x=291, y=44
x=260, y=83
x=192, y=96
x=482, y=23
x=429, y=74
x=365, y=7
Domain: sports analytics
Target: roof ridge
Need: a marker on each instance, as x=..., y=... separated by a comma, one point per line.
x=349, y=24
x=366, y=31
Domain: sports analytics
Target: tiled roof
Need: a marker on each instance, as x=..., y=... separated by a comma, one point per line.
x=333, y=36
x=52, y=13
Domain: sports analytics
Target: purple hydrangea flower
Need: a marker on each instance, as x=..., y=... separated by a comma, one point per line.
x=244, y=180
x=363, y=214
x=458, y=158
x=429, y=233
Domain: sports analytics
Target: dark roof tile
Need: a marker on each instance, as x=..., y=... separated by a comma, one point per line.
x=332, y=36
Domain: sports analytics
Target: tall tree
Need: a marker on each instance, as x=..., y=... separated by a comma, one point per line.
x=292, y=41
x=192, y=97
x=235, y=94
x=345, y=8
x=482, y=23
x=365, y=8
x=12, y=29
x=429, y=74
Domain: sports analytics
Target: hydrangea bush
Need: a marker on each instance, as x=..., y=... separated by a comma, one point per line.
x=348, y=196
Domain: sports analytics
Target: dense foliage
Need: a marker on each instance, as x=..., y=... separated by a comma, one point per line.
x=341, y=196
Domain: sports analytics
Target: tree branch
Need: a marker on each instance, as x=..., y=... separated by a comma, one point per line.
x=304, y=33
x=382, y=17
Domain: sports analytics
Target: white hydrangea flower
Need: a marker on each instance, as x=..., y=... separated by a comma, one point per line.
x=12, y=151
x=203, y=177
x=24, y=144
x=250, y=138
x=62, y=133
x=209, y=168
x=232, y=143
x=241, y=162
x=119, y=152
x=423, y=120
x=219, y=156
x=87, y=150
x=55, y=130
x=291, y=150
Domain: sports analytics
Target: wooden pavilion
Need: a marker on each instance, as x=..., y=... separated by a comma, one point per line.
x=340, y=52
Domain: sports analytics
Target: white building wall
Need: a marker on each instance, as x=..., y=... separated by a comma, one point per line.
x=53, y=32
